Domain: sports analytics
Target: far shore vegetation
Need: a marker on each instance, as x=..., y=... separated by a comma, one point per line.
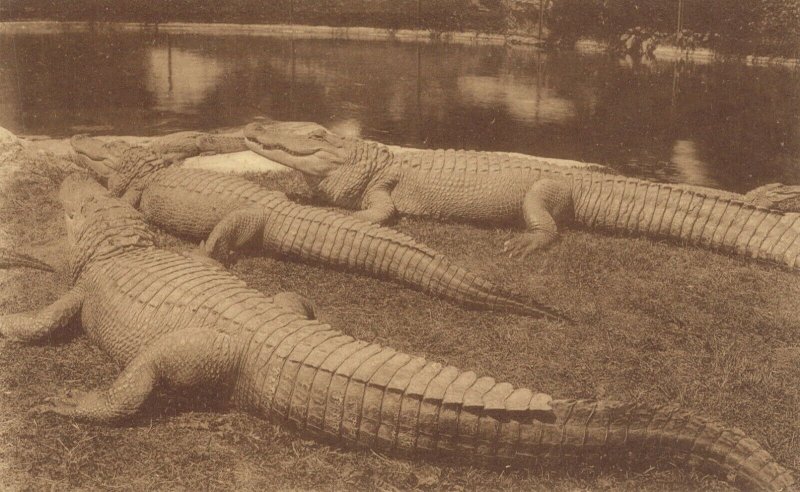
x=757, y=27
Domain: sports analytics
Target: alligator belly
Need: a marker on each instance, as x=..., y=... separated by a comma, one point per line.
x=474, y=197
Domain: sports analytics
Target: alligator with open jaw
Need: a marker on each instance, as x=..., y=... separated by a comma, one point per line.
x=177, y=323
x=231, y=211
x=494, y=188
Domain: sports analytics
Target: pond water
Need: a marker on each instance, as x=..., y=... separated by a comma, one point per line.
x=721, y=124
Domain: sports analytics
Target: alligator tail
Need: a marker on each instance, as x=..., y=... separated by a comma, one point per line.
x=720, y=221
x=11, y=259
x=354, y=393
x=329, y=237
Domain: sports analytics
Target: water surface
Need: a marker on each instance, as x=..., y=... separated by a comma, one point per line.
x=724, y=124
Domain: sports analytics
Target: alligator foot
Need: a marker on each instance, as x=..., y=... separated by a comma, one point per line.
x=201, y=255
x=369, y=215
x=525, y=245
x=299, y=304
x=66, y=405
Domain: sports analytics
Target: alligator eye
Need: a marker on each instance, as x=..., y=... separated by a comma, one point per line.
x=319, y=134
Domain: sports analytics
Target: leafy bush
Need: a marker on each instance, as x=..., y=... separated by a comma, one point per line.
x=735, y=26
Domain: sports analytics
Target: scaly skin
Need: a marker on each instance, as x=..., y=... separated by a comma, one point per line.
x=10, y=259
x=174, y=322
x=179, y=145
x=495, y=188
x=232, y=212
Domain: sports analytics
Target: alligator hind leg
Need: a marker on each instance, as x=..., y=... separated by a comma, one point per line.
x=35, y=325
x=182, y=359
x=545, y=201
x=237, y=229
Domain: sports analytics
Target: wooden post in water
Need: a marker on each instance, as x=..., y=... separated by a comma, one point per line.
x=419, y=94
x=169, y=63
x=542, y=3
x=680, y=17
x=291, y=82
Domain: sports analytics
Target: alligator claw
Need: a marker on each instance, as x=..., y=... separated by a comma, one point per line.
x=297, y=303
x=219, y=258
x=520, y=247
x=201, y=255
x=366, y=216
x=526, y=245
x=61, y=405
x=40, y=410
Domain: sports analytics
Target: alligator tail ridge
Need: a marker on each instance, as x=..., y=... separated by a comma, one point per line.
x=688, y=214
x=354, y=393
x=356, y=245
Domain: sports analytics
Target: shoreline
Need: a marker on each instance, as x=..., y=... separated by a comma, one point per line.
x=666, y=53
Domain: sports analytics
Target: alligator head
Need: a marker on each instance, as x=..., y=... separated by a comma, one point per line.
x=338, y=168
x=98, y=226
x=96, y=155
x=306, y=147
x=119, y=163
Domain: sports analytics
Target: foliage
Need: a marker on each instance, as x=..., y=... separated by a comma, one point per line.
x=442, y=15
x=755, y=26
x=736, y=26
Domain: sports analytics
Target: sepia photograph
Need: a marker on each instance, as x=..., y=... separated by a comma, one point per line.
x=400, y=245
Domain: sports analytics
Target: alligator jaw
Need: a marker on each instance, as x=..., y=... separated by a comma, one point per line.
x=94, y=155
x=306, y=147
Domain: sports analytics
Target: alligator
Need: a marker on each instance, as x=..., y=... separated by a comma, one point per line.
x=495, y=188
x=232, y=212
x=10, y=258
x=175, y=323
x=181, y=145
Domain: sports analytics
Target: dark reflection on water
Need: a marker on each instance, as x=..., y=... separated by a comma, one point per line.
x=723, y=125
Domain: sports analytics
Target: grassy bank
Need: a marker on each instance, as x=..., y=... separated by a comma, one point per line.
x=656, y=322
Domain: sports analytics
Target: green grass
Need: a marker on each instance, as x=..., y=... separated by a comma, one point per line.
x=655, y=322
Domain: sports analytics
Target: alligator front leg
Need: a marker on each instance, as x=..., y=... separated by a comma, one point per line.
x=378, y=206
x=546, y=200
x=35, y=325
x=182, y=359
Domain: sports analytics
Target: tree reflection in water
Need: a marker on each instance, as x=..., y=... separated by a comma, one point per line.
x=720, y=124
